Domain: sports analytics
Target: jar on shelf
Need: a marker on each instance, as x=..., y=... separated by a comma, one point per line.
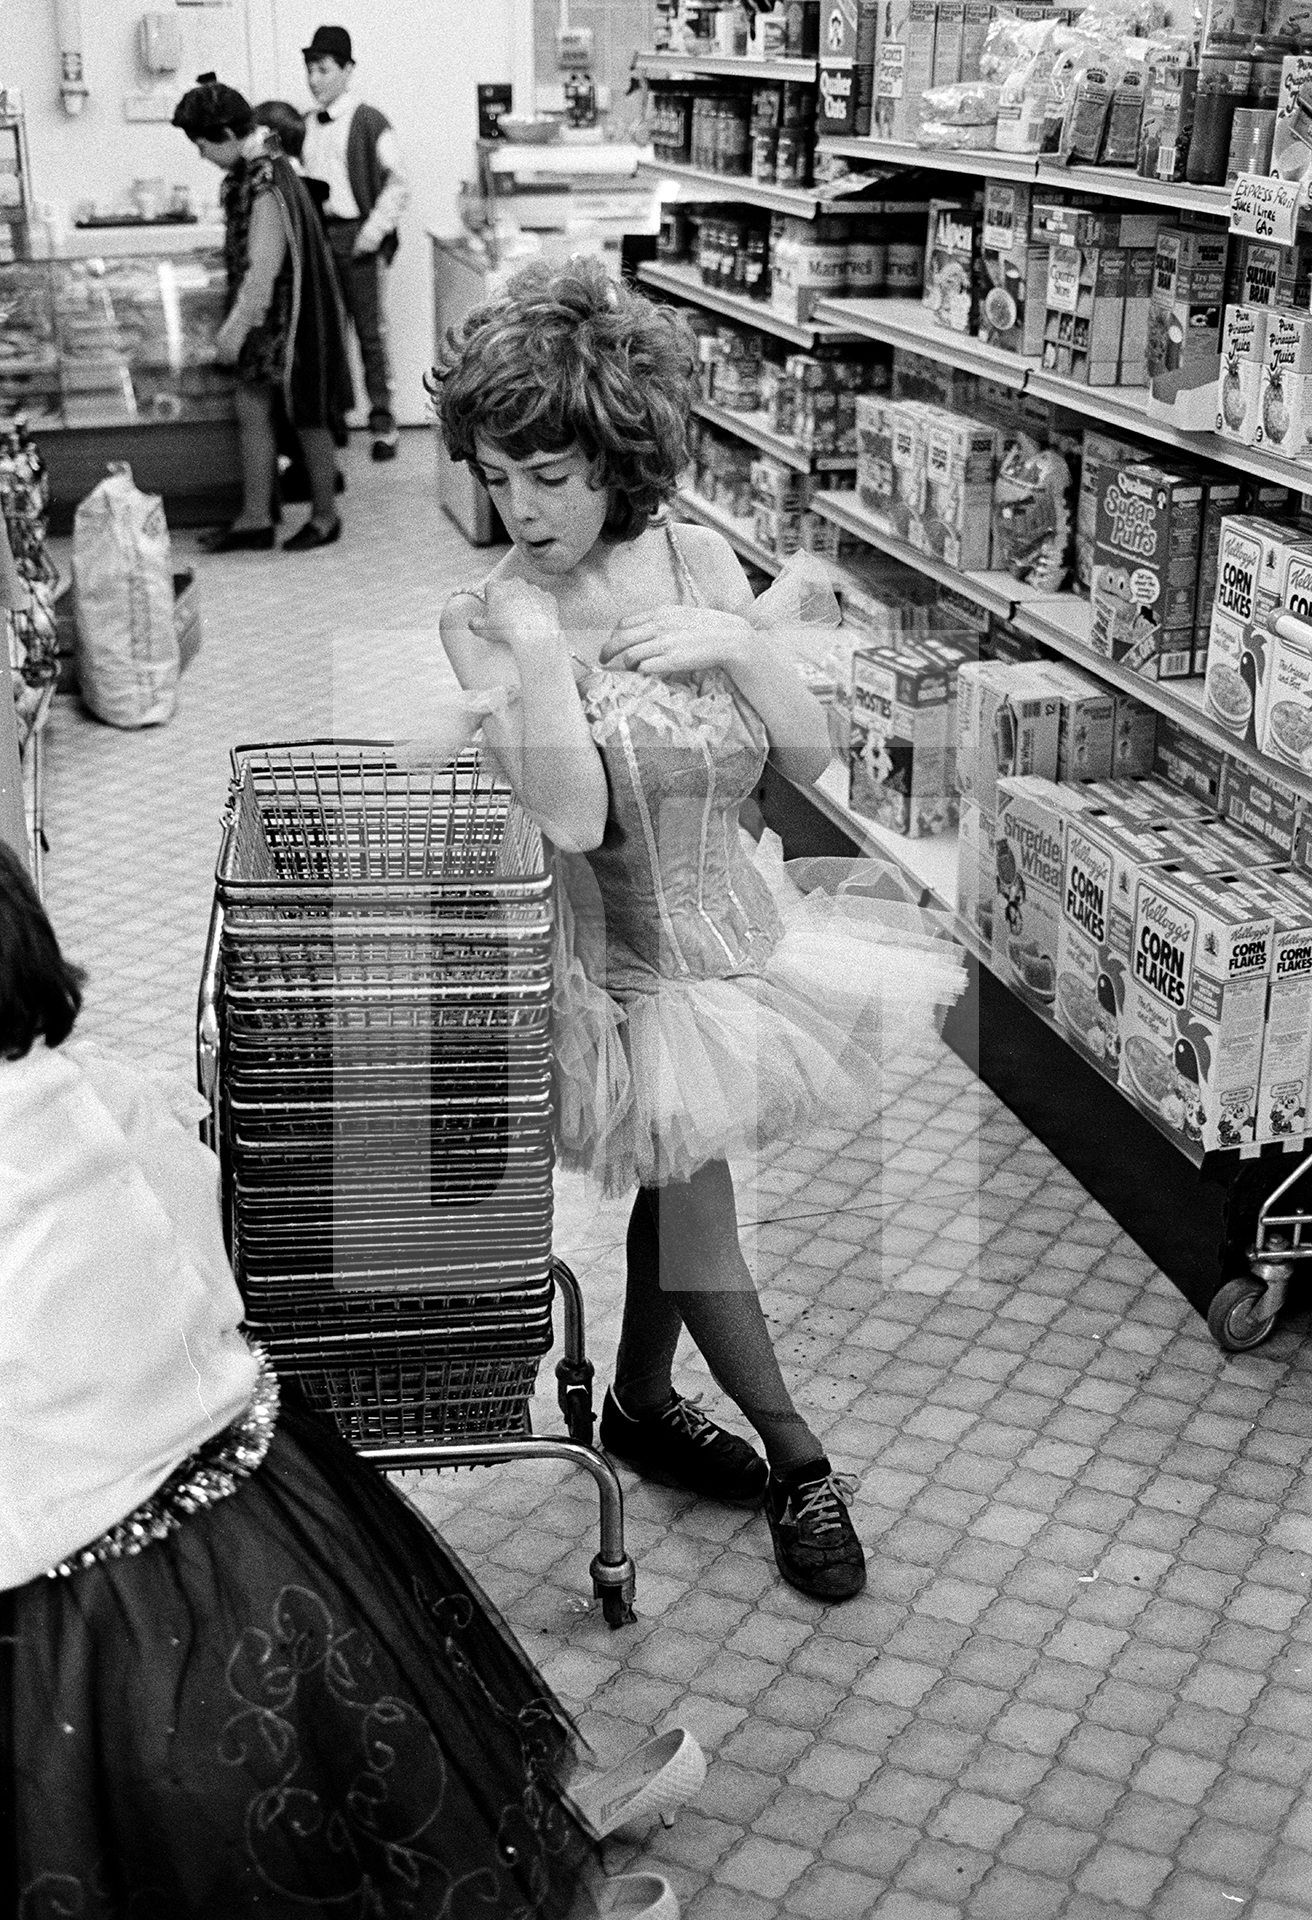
x=1225, y=81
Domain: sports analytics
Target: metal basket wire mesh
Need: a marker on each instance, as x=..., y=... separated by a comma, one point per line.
x=386, y=1086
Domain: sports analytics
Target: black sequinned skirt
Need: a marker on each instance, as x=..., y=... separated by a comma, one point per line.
x=294, y=1701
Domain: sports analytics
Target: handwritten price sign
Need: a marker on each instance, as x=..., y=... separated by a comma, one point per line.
x=1265, y=208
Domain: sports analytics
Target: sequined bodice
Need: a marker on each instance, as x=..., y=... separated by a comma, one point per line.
x=680, y=894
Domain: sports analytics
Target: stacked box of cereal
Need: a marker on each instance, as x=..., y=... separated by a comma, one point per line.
x=1145, y=570
x=1195, y=1005
x=1286, y=1074
x=1008, y=722
x=898, y=752
x=1028, y=883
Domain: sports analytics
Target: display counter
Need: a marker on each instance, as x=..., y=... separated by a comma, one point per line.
x=110, y=356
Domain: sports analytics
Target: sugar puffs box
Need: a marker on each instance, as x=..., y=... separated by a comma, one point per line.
x=1284, y=1091
x=1195, y=1005
x=1008, y=722
x=1145, y=569
x=898, y=752
x=1028, y=838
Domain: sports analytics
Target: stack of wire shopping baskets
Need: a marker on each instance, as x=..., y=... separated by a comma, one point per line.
x=375, y=1042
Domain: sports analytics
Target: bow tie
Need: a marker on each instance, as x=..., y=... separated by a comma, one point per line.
x=323, y=117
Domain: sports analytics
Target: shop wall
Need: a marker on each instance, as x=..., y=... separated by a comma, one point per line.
x=419, y=60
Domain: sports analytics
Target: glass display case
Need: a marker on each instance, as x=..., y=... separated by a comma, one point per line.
x=113, y=342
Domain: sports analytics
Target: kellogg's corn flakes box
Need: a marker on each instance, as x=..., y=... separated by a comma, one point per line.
x=1284, y=719
x=1285, y=1086
x=1195, y=1005
x=1031, y=819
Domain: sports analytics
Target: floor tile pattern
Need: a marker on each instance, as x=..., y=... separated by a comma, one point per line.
x=1079, y=1686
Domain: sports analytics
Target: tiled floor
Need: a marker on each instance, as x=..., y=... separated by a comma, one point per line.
x=1080, y=1683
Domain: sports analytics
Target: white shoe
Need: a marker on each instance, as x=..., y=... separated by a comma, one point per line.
x=637, y=1896
x=660, y=1775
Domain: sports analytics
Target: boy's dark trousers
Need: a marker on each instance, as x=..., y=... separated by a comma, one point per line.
x=361, y=280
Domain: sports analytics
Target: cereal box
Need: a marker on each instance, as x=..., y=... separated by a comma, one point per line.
x=836, y=95
x=904, y=66
x=975, y=873
x=1101, y=856
x=959, y=459
x=1008, y=719
x=1134, y=744
x=951, y=247
x=1261, y=805
x=1139, y=262
x=1284, y=720
x=1195, y=1005
x=1185, y=761
x=1028, y=884
x=1285, y=1081
x=1227, y=694
x=1239, y=390
x=1149, y=802
x=1099, y=450
x=1223, y=497
x=1145, y=569
x=898, y=753
x=1086, y=724
x=1015, y=271
x=1184, y=326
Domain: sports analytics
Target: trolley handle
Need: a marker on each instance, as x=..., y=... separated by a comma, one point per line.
x=207, y=1027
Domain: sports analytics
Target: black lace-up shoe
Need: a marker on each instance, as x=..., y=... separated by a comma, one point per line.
x=815, y=1544
x=679, y=1446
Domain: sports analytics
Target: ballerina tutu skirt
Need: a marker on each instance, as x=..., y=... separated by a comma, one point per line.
x=661, y=1078
x=296, y=1702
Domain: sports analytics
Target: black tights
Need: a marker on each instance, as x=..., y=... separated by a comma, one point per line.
x=689, y=1231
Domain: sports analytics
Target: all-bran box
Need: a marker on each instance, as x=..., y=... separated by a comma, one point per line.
x=1031, y=820
x=898, y=754
x=1145, y=569
x=1195, y=1005
x=1285, y=1082
x=1261, y=805
x=1008, y=722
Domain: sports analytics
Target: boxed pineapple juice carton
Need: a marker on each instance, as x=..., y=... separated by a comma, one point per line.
x=1145, y=569
x=898, y=753
x=1135, y=740
x=1008, y=719
x=1261, y=805
x=1195, y=1006
x=1014, y=268
x=949, y=29
x=1031, y=819
x=1284, y=424
x=1184, y=326
x=1239, y=391
x=1285, y=1078
x=1086, y=724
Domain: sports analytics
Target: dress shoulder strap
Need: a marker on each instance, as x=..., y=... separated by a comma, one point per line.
x=688, y=588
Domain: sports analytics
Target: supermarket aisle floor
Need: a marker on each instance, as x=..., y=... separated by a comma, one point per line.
x=1080, y=1683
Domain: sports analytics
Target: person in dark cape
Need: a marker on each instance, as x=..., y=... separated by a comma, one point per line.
x=284, y=332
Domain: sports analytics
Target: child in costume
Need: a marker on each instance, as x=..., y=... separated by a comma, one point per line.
x=631, y=689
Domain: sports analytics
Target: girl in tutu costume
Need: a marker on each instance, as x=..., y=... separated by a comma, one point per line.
x=707, y=1000
x=239, y=1673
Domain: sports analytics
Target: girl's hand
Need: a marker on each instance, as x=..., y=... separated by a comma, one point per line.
x=676, y=640
x=515, y=614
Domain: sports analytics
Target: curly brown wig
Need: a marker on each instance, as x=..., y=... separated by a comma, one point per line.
x=567, y=357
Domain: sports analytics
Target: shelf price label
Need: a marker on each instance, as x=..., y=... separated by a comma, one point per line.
x=1265, y=208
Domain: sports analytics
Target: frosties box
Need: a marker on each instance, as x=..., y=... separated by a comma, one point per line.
x=1195, y=1005
x=1285, y=1081
x=898, y=748
x=1027, y=883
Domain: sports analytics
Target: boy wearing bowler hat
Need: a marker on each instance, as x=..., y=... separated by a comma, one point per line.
x=352, y=148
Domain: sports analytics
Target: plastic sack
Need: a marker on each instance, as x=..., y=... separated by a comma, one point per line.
x=127, y=646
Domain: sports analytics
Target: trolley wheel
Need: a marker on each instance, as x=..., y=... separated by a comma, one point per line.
x=614, y=1583
x=574, y=1396
x=1235, y=1319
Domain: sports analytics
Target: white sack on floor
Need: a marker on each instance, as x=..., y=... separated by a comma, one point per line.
x=127, y=647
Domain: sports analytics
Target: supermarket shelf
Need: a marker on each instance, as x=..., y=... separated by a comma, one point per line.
x=931, y=864
x=994, y=592
x=686, y=66
x=687, y=284
x=754, y=428
x=699, y=183
x=593, y=159
x=1114, y=183
x=904, y=323
x=739, y=533
x=1061, y=621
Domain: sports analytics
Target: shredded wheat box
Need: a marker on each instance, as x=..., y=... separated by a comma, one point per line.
x=898, y=755
x=1285, y=1081
x=1195, y=1006
x=1008, y=720
x=1031, y=819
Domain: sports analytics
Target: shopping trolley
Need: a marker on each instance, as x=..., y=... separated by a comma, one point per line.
x=1243, y=1312
x=374, y=1040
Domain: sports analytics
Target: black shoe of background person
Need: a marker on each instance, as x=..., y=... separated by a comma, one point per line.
x=309, y=537
x=237, y=540
x=680, y=1447
x=339, y=481
x=386, y=446
x=815, y=1544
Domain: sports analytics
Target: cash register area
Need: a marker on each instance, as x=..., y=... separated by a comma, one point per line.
x=1079, y=1684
